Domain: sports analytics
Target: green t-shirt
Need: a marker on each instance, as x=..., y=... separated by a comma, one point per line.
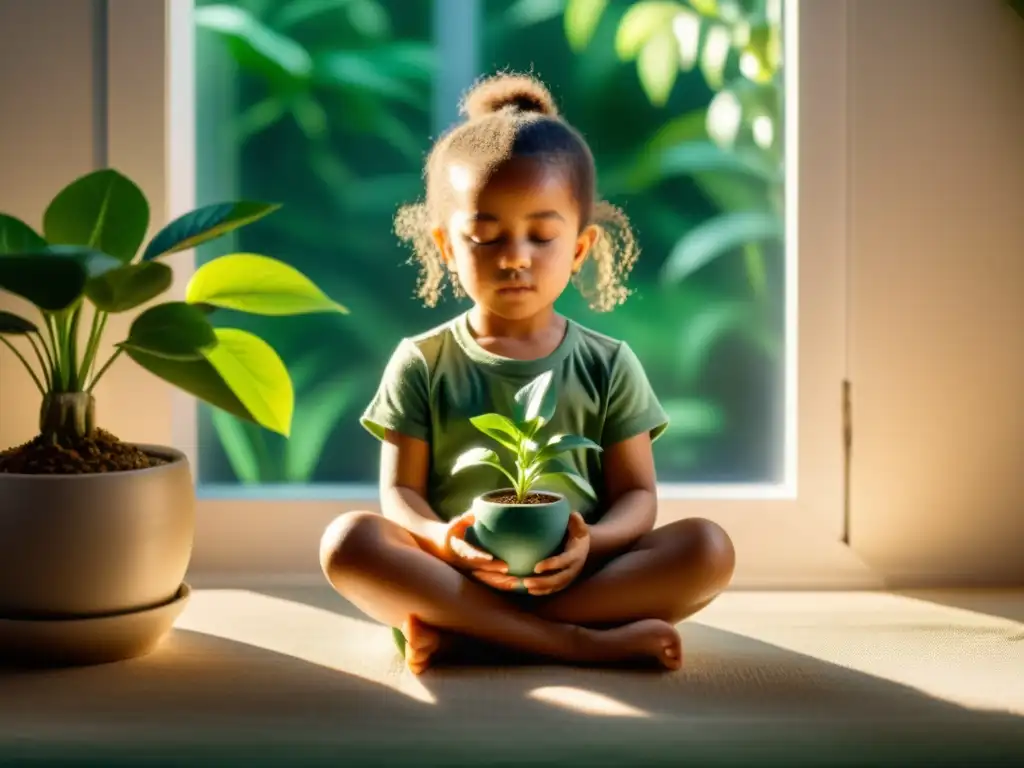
x=435, y=382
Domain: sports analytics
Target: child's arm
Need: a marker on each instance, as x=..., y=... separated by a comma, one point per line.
x=404, y=463
x=631, y=489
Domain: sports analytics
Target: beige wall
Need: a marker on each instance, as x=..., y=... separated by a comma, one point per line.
x=936, y=159
x=46, y=140
x=937, y=287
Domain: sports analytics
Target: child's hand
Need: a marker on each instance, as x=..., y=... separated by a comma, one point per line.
x=458, y=553
x=566, y=566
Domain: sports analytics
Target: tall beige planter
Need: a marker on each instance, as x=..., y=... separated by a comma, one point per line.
x=92, y=566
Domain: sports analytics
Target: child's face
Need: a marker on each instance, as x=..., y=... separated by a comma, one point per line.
x=514, y=238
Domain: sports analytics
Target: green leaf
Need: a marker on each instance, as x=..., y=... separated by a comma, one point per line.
x=255, y=46
x=129, y=286
x=718, y=236
x=316, y=416
x=13, y=324
x=175, y=330
x=356, y=71
x=537, y=400
x=237, y=443
x=254, y=372
x=562, y=443
x=569, y=481
x=525, y=13
x=260, y=285
x=477, y=457
x=205, y=224
x=640, y=23
x=500, y=428
x=581, y=20
x=196, y=377
x=103, y=210
x=704, y=157
x=658, y=67
x=51, y=282
x=18, y=237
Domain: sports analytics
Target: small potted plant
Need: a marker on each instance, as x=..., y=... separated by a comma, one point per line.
x=96, y=534
x=526, y=522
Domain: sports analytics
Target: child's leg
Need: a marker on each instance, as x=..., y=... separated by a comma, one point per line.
x=671, y=573
x=377, y=566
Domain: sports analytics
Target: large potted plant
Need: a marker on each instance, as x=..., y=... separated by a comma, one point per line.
x=96, y=534
x=525, y=522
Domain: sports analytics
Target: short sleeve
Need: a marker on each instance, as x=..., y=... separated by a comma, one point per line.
x=401, y=403
x=633, y=408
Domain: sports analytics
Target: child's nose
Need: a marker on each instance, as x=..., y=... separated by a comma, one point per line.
x=516, y=256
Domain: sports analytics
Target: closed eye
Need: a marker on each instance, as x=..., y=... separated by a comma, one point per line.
x=499, y=240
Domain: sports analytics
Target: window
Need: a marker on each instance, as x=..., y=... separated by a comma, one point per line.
x=738, y=311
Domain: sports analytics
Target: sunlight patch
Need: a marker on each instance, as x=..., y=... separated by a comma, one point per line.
x=314, y=635
x=585, y=702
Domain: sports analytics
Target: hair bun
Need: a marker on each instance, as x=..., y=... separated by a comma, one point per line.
x=520, y=92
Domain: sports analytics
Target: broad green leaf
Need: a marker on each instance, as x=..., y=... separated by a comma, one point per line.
x=566, y=480
x=196, y=377
x=640, y=23
x=129, y=286
x=718, y=236
x=102, y=210
x=537, y=400
x=236, y=441
x=356, y=71
x=205, y=224
x=257, y=284
x=658, y=67
x=477, y=457
x=13, y=324
x=51, y=282
x=255, y=46
x=696, y=157
x=562, y=443
x=18, y=237
x=500, y=428
x=175, y=330
x=257, y=376
x=369, y=18
x=96, y=263
x=317, y=414
x=715, y=54
x=581, y=20
x=705, y=328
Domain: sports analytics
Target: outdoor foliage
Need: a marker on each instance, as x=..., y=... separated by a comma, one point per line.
x=334, y=117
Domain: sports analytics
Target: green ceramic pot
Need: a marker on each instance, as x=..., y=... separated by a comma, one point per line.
x=521, y=534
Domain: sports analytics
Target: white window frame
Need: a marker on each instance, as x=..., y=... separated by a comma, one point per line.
x=789, y=535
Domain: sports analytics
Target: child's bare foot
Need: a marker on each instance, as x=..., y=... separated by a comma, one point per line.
x=646, y=640
x=422, y=643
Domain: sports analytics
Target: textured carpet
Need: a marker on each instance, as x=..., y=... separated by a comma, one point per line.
x=297, y=677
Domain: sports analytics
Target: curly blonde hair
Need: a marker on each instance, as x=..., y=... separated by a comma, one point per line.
x=509, y=115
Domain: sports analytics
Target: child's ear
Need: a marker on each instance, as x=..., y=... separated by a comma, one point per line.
x=443, y=244
x=584, y=243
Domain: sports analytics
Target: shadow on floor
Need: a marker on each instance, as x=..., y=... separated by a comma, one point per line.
x=739, y=701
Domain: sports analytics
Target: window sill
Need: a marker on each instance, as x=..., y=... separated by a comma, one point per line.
x=246, y=542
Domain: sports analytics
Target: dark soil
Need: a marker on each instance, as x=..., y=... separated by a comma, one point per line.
x=510, y=498
x=101, y=452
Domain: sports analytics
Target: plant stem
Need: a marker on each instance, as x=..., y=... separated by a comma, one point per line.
x=73, y=323
x=58, y=376
x=39, y=357
x=39, y=384
x=99, y=324
x=103, y=369
x=67, y=415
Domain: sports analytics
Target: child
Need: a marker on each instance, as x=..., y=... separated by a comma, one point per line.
x=510, y=219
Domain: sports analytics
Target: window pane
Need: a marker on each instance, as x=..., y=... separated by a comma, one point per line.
x=688, y=139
